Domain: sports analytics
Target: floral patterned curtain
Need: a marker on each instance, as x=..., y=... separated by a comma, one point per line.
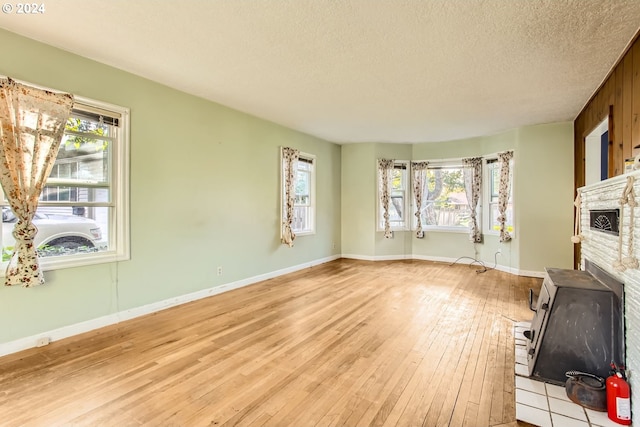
x=419, y=181
x=32, y=124
x=289, y=162
x=473, y=188
x=503, y=193
x=385, y=169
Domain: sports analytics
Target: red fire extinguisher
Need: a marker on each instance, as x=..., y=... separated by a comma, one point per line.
x=618, y=397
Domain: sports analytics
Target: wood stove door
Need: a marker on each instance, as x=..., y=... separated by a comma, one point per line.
x=539, y=319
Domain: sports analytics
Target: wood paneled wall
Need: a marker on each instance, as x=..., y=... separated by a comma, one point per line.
x=619, y=99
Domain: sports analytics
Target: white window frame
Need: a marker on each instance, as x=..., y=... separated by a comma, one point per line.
x=311, y=159
x=406, y=180
x=492, y=162
x=119, y=234
x=449, y=163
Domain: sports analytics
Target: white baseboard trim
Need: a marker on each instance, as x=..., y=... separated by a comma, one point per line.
x=111, y=319
x=531, y=273
x=359, y=257
x=466, y=260
x=377, y=257
x=498, y=267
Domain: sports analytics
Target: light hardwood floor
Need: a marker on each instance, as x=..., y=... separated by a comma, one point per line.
x=347, y=343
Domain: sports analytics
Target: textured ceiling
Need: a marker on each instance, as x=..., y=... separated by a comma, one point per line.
x=358, y=70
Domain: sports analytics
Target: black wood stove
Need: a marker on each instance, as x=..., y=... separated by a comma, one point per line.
x=578, y=324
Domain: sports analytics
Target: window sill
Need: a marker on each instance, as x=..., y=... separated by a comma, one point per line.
x=304, y=233
x=446, y=230
x=50, y=264
x=497, y=234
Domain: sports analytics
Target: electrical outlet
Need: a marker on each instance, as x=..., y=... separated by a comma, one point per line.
x=333, y=245
x=219, y=271
x=499, y=250
x=43, y=341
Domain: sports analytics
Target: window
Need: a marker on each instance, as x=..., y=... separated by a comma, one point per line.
x=445, y=204
x=303, y=211
x=304, y=200
x=493, y=183
x=399, y=198
x=82, y=215
x=445, y=201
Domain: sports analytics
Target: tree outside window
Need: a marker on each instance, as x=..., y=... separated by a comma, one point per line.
x=446, y=203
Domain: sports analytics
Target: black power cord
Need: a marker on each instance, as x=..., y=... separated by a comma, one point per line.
x=484, y=268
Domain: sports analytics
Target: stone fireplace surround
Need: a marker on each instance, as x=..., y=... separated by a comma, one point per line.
x=602, y=248
x=546, y=404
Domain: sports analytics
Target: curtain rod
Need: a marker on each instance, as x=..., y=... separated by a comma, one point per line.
x=459, y=159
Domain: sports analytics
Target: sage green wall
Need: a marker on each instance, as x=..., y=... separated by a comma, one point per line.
x=543, y=197
x=359, y=202
x=358, y=195
x=204, y=193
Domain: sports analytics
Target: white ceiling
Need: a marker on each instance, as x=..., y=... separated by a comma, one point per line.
x=358, y=70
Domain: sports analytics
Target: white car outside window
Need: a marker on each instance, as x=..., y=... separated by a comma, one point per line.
x=57, y=234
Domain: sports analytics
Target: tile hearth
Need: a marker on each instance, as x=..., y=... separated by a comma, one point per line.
x=547, y=405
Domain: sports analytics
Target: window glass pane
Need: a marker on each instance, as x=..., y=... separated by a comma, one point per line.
x=301, y=200
x=396, y=207
x=304, y=165
x=92, y=130
x=303, y=186
x=446, y=202
x=82, y=155
x=61, y=193
x=88, y=162
x=494, y=180
x=301, y=218
x=397, y=179
x=83, y=158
